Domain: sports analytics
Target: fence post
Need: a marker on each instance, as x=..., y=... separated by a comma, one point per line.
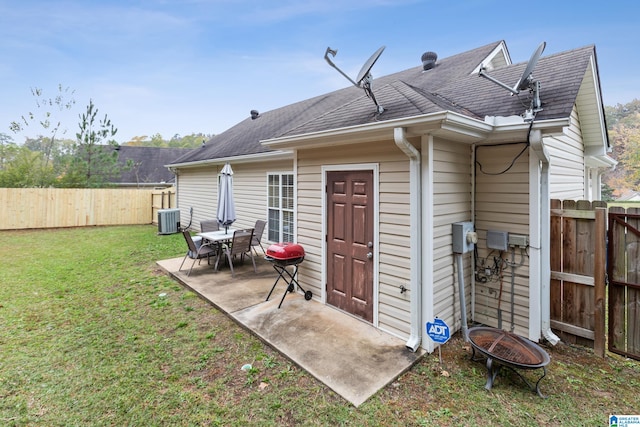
x=600, y=254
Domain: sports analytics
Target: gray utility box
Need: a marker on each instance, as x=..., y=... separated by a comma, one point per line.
x=518, y=240
x=462, y=244
x=497, y=240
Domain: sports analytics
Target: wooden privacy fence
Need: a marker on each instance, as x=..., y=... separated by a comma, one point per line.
x=624, y=281
x=25, y=208
x=578, y=254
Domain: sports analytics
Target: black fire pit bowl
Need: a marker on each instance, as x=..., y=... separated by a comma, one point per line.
x=502, y=348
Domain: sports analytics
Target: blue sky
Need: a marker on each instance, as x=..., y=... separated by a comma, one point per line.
x=179, y=67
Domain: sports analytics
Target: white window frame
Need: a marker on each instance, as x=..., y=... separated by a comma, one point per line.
x=281, y=211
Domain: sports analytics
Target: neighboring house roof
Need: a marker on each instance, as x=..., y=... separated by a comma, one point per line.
x=629, y=196
x=148, y=164
x=452, y=85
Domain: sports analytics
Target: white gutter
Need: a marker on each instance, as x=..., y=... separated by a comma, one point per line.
x=473, y=129
x=269, y=155
x=545, y=262
x=415, y=190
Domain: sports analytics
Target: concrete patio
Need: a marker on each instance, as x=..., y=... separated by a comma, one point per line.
x=350, y=356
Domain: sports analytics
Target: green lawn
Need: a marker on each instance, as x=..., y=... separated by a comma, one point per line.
x=92, y=333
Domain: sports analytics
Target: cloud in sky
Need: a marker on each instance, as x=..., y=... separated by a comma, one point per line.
x=179, y=67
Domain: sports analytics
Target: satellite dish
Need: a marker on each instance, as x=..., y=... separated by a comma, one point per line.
x=363, y=80
x=526, y=81
x=365, y=71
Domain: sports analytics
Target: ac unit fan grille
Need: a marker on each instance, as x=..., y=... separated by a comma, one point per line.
x=168, y=221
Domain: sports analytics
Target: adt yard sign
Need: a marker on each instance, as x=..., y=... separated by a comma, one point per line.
x=438, y=331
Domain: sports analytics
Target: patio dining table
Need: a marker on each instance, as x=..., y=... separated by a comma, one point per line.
x=218, y=237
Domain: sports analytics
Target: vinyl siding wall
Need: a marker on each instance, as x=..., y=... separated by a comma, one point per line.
x=502, y=203
x=394, y=228
x=198, y=188
x=567, y=167
x=451, y=203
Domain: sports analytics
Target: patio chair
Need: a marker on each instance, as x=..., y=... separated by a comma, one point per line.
x=209, y=225
x=257, y=236
x=196, y=252
x=240, y=245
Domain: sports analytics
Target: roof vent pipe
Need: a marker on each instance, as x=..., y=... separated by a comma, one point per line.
x=429, y=60
x=254, y=114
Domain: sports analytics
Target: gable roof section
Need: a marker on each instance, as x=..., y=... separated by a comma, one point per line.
x=452, y=85
x=560, y=77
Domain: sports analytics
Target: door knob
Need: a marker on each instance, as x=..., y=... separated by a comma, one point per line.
x=369, y=255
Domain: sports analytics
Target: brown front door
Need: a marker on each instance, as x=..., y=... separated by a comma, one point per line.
x=350, y=242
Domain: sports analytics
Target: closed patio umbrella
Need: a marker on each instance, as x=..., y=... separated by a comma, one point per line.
x=226, y=206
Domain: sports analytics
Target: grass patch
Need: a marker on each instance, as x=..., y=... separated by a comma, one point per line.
x=94, y=334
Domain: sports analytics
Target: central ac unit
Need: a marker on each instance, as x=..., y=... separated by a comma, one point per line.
x=168, y=221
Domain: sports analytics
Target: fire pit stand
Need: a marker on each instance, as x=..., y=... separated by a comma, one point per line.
x=281, y=256
x=502, y=348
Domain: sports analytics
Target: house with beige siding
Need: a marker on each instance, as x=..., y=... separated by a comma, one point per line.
x=372, y=196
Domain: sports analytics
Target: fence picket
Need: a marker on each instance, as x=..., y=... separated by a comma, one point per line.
x=555, y=287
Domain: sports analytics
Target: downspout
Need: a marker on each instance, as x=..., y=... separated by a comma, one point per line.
x=473, y=219
x=415, y=189
x=545, y=262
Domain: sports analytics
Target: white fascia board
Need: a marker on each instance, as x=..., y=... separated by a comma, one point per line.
x=601, y=116
x=249, y=158
x=445, y=124
x=511, y=130
x=601, y=161
x=417, y=125
x=597, y=157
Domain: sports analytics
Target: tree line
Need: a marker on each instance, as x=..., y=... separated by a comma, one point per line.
x=623, y=126
x=52, y=159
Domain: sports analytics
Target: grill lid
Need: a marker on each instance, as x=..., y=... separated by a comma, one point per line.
x=285, y=251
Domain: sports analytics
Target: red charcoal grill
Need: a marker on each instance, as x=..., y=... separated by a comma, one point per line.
x=281, y=256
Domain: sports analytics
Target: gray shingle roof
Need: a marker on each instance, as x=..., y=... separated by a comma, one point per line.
x=450, y=86
x=149, y=163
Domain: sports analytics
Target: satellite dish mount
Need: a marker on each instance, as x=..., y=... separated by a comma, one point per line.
x=364, y=78
x=526, y=82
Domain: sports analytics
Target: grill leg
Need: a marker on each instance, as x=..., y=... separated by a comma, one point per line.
x=292, y=280
x=276, y=282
